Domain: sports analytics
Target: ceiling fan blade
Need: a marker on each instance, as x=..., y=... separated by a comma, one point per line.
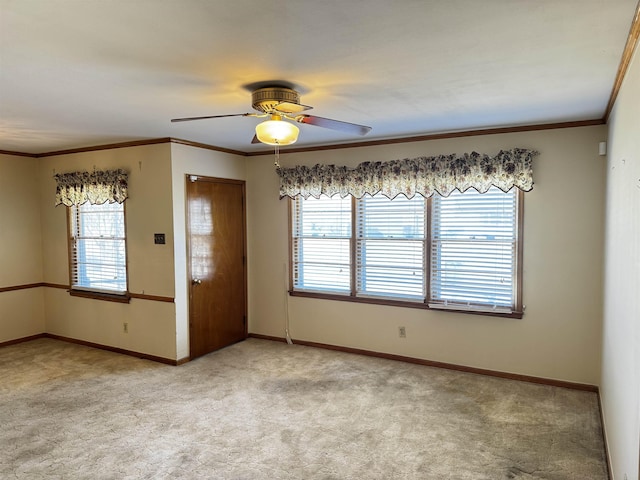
x=255, y=139
x=346, y=127
x=289, y=107
x=188, y=119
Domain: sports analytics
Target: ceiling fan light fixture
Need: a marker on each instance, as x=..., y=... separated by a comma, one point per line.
x=283, y=103
x=277, y=132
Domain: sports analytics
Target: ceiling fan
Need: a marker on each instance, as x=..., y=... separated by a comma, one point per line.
x=281, y=103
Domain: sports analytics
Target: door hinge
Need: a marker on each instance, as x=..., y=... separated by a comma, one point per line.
x=244, y=319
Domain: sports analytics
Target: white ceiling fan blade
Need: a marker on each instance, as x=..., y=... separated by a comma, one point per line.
x=346, y=127
x=188, y=119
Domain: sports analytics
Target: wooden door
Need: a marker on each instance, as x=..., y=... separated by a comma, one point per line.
x=217, y=273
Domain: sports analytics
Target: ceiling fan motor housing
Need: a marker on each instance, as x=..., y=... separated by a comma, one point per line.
x=267, y=99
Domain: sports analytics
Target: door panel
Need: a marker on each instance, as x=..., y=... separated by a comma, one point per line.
x=216, y=236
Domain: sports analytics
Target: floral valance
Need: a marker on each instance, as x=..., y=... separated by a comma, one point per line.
x=422, y=175
x=95, y=187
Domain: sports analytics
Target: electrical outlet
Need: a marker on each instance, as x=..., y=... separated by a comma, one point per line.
x=125, y=327
x=402, y=332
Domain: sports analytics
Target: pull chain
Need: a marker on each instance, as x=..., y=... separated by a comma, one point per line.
x=277, y=152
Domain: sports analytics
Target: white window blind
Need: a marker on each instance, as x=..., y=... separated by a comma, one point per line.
x=321, y=244
x=390, y=247
x=98, y=249
x=474, y=250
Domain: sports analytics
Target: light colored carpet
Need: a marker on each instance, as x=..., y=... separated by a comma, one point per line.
x=266, y=410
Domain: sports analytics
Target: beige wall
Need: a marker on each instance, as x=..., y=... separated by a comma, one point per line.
x=21, y=311
x=156, y=204
x=560, y=334
x=149, y=209
x=620, y=384
x=187, y=160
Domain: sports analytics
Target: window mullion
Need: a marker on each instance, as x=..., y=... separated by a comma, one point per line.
x=353, y=245
x=427, y=248
x=518, y=303
x=291, y=226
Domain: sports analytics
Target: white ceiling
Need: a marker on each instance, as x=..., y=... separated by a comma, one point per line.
x=76, y=73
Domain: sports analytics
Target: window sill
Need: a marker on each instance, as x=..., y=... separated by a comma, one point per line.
x=399, y=303
x=108, y=297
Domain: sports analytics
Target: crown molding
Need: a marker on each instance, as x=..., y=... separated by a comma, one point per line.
x=17, y=154
x=108, y=146
x=133, y=143
x=208, y=147
x=440, y=136
x=625, y=60
x=370, y=143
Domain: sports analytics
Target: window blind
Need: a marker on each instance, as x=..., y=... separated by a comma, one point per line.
x=321, y=244
x=390, y=247
x=473, y=251
x=99, y=260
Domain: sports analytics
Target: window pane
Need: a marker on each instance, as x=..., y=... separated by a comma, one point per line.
x=321, y=244
x=473, y=249
x=390, y=247
x=99, y=249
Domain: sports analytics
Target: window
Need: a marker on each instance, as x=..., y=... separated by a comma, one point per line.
x=97, y=247
x=322, y=244
x=474, y=250
x=460, y=253
x=390, y=247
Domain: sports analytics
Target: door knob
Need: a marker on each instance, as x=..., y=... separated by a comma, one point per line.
x=196, y=281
